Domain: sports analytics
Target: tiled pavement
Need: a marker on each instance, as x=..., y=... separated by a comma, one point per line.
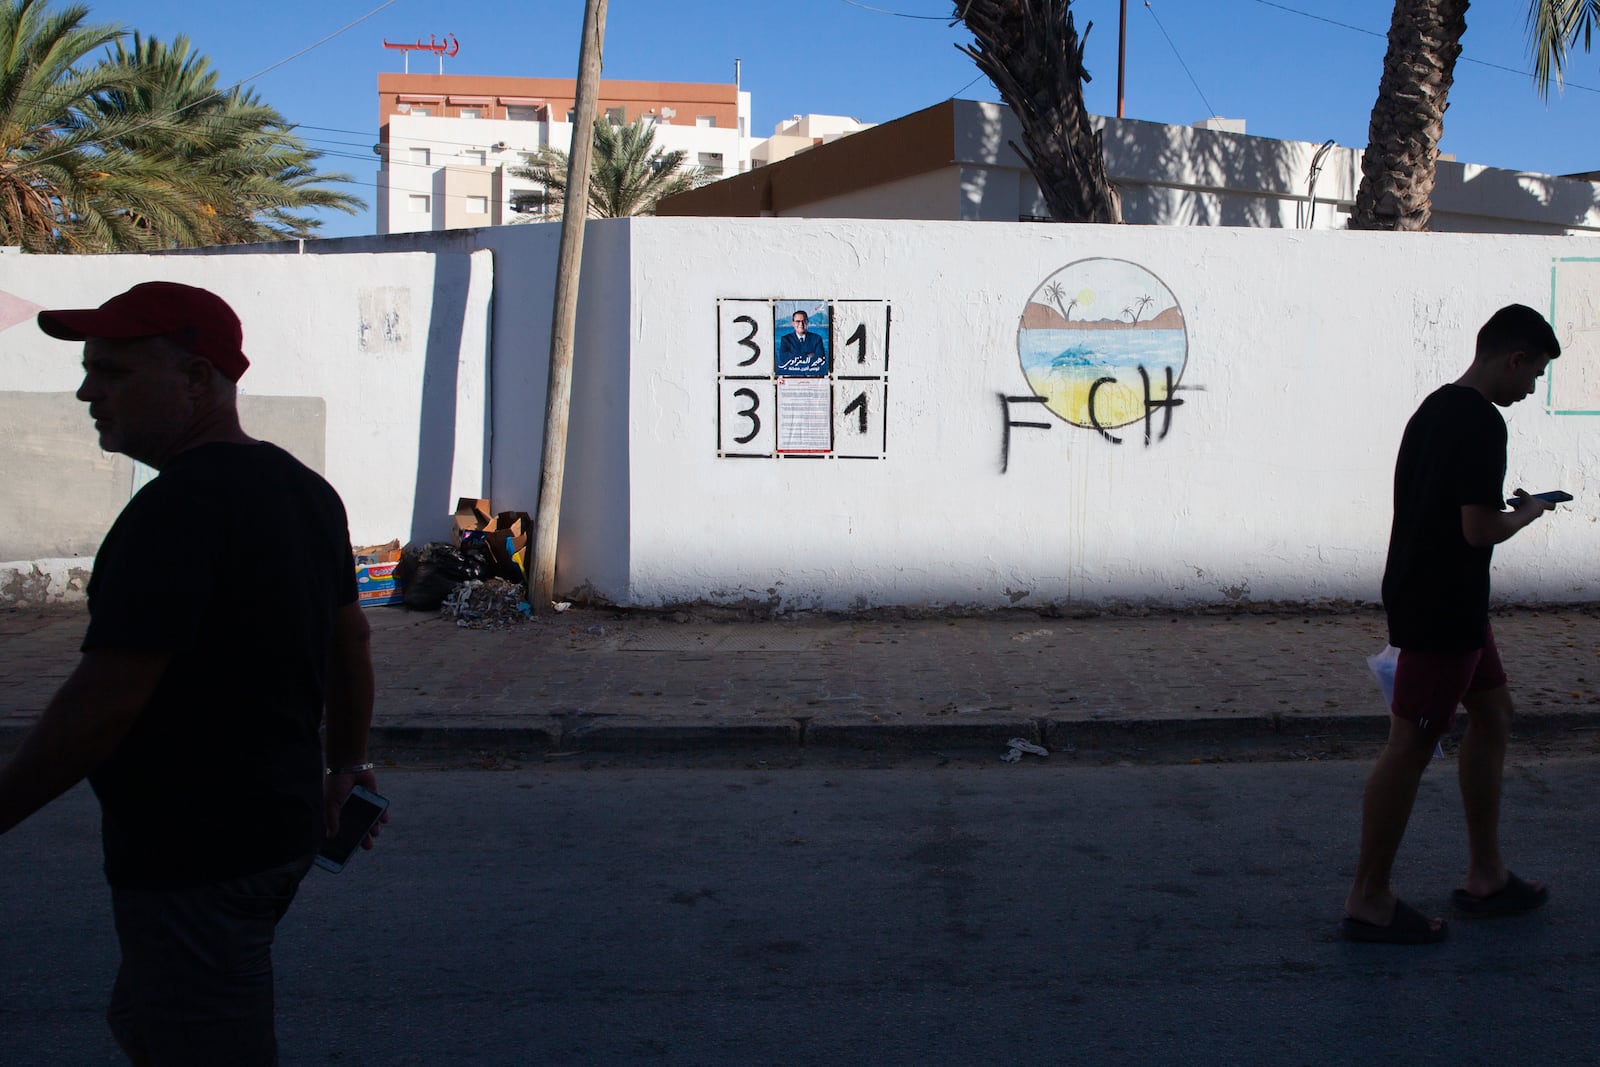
x=595, y=680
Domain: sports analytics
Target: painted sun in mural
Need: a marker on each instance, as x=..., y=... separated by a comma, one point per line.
x=1101, y=341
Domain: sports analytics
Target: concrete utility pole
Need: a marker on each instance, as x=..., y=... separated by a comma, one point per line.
x=575, y=211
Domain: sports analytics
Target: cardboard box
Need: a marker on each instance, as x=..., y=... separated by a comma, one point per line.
x=389, y=553
x=507, y=537
x=471, y=514
x=376, y=585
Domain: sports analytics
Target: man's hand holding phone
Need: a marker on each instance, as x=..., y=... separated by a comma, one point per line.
x=1543, y=501
x=354, y=814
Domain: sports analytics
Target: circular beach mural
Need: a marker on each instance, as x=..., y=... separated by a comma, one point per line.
x=1102, y=342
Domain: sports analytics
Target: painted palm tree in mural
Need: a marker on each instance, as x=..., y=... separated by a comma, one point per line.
x=1137, y=306
x=1056, y=293
x=1032, y=52
x=630, y=174
x=1402, y=154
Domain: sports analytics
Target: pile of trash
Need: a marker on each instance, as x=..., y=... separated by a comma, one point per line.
x=478, y=579
x=492, y=604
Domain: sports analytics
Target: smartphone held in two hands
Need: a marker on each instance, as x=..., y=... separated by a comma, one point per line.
x=360, y=813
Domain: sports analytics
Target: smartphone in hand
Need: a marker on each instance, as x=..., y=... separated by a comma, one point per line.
x=1555, y=496
x=357, y=816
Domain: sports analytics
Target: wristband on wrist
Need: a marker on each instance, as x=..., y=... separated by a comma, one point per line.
x=354, y=768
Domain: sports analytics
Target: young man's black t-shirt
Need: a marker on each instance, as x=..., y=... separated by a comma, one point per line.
x=234, y=560
x=1435, y=585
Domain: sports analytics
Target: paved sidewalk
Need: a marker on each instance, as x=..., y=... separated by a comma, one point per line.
x=604, y=681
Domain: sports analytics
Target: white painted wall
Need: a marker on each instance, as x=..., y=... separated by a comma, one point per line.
x=392, y=349
x=1307, y=353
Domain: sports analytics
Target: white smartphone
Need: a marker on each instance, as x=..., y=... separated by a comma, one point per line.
x=357, y=816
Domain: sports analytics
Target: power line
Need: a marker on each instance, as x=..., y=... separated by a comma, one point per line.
x=896, y=14
x=218, y=95
x=1209, y=109
x=1384, y=36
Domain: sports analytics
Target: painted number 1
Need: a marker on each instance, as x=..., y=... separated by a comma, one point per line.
x=859, y=339
x=858, y=405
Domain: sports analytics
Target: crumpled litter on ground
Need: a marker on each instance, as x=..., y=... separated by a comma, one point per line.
x=1017, y=746
x=486, y=605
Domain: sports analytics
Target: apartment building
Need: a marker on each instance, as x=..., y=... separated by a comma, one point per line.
x=447, y=142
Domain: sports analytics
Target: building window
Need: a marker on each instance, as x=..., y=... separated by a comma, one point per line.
x=477, y=205
x=518, y=113
x=711, y=161
x=422, y=156
x=475, y=158
x=707, y=122
x=471, y=113
x=572, y=114
x=418, y=109
x=420, y=204
x=617, y=116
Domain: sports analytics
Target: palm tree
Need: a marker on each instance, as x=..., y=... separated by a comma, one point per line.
x=1553, y=27
x=1398, y=166
x=629, y=175
x=257, y=179
x=63, y=188
x=1402, y=154
x=1031, y=50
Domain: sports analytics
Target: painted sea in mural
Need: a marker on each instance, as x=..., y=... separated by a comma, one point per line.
x=1062, y=366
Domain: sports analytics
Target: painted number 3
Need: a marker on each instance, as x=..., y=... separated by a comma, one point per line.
x=749, y=412
x=755, y=354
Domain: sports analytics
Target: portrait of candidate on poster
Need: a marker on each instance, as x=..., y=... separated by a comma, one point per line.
x=800, y=328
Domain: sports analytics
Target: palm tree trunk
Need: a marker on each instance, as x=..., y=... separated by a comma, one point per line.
x=1033, y=54
x=1397, y=169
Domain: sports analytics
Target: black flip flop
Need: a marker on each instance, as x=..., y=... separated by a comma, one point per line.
x=1516, y=898
x=1408, y=926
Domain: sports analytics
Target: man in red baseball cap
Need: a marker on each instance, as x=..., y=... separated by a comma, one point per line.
x=195, y=711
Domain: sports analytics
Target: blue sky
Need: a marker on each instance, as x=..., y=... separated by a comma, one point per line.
x=1300, y=69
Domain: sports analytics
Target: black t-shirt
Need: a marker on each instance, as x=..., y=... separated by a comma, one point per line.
x=234, y=560
x=1435, y=585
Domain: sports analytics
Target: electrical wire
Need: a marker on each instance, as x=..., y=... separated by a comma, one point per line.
x=221, y=93
x=1384, y=36
x=896, y=14
x=1171, y=44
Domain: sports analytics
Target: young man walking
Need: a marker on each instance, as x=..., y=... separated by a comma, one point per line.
x=1449, y=513
x=194, y=711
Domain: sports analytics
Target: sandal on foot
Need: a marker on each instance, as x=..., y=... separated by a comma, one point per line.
x=1516, y=898
x=1408, y=927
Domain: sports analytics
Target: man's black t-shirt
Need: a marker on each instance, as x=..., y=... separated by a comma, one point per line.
x=1435, y=585
x=234, y=560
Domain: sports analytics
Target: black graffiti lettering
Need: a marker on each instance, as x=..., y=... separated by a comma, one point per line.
x=1007, y=422
x=859, y=339
x=1094, y=419
x=1151, y=405
x=749, y=413
x=1166, y=405
x=859, y=404
x=755, y=349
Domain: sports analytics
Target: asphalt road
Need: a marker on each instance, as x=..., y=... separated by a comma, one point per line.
x=1048, y=912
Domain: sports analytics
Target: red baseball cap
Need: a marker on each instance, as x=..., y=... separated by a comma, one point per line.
x=195, y=319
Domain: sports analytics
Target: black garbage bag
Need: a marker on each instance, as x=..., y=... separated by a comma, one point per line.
x=430, y=572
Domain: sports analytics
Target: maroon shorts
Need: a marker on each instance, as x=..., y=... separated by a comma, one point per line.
x=1428, y=686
